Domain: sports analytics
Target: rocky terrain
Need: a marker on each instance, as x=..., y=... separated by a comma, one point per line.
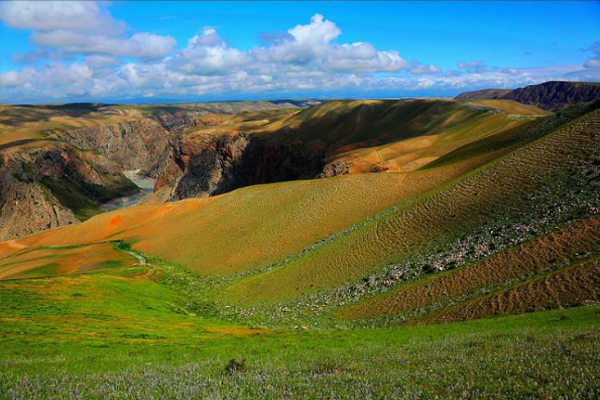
x=207, y=149
x=554, y=95
x=53, y=185
x=142, y=145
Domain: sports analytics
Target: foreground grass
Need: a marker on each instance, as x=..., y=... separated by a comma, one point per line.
x=125, y=336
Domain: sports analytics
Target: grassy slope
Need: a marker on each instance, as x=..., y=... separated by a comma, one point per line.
x=438, y=133
x=34, y=123
x=29, y=262
x=503, y=189
x=262, y=225
x=392, y=135
x=196, y=231
x=513, y=108
x=496, y=275
x=104, y=335
x=151, y=331
x=258, y=225
x=282, y=219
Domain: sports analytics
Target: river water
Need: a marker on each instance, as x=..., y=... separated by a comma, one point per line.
x=146, y=185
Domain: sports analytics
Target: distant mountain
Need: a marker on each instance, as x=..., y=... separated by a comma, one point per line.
x=553, y=95
x=556, y=95
x=485, y=94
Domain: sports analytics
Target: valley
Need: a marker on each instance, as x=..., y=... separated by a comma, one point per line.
x=293, y=249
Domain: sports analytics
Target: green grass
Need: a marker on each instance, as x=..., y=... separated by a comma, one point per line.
x=515, y=357
x=73, y=198
x=132, y=333
x=162, y=331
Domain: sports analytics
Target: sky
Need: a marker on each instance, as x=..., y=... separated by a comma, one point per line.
x=157, y=51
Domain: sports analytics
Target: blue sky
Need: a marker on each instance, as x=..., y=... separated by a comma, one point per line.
x=152, y=51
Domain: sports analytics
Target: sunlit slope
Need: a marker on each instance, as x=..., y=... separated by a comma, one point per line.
x=124, y=306
x=261, y=225
x=513, y=108
x=442, y=128
x=30, y=125
x=31, y=262
x=257, y=226
x=249, y=227
x=533, y=178
x=503, y=283
x=398, y=135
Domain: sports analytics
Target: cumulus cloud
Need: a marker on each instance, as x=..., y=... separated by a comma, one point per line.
x=313, y=44
x=81, y=27
x=591, y=66
x=58, y=15
x=87, y=54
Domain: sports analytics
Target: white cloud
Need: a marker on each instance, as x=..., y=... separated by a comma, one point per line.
x=57, y=15
x=420, y=69
x=98, y=62
x=93, y=60
x=313, y=44
x=208, y=54
x=81, y=27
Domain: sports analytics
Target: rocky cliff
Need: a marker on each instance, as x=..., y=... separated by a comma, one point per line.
x=217, y=163
x=137, y=145
x=556, y=95
x=52, y=185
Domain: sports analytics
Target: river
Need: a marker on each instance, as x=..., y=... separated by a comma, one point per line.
x=146, y=185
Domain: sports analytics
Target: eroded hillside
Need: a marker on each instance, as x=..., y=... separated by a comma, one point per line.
x=430, y=243
x=207, y=149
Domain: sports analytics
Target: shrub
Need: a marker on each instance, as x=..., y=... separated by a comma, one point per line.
x=235, y=365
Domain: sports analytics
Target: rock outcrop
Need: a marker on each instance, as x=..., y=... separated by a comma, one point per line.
x=137, y=145
x=53, y=185
x=556, y=95
x=213, y=164
x=553, y=95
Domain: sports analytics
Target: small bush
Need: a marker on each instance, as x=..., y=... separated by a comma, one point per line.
x=235, y=365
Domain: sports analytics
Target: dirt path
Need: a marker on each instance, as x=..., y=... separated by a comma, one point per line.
x=141, y=259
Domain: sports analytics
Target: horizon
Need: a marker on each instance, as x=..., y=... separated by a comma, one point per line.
x=183, y=52
x=159, y=101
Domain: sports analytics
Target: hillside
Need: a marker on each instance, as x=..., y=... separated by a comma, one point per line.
x=206, y=149
x=463, y=235
x=289, y=241
x=553, y=96
x=61, y=163
x=484, y=94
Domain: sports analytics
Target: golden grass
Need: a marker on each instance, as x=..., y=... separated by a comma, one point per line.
x=463, y=205
x=255, y=226
x=39, y=122
x=249, y=227
x=31, y=262
x=413, y=153
x=513, y=108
